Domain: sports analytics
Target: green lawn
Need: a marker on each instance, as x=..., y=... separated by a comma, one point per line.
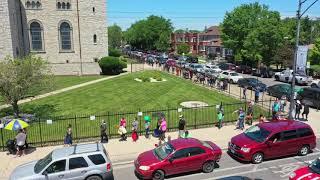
x=60, y=82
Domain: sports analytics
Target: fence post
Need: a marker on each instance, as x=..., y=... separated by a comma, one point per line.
x=195, y=117
x=140, y=128
x=240, y=93
x=75, y=127
x=40, y=132
x=229, y=88
x=109, y=122
x=270, y=107
x=168, y=116
x=131, y=67
x=2, y=139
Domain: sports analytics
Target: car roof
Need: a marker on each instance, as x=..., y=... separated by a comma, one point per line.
x=283, y=125
x=185, y=142
x=77, y=149
x=312, y=89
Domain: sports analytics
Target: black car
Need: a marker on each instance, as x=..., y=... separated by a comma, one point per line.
x=252, y=83
x=244, y=69
x=311, y=97
x=263, y=72
x=279, y=90
x=192, y=59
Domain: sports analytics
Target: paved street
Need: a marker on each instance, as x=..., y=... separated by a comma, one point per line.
x=230, y=169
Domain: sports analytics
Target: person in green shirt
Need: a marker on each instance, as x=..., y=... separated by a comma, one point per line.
x=186, y=135
x=220, y=118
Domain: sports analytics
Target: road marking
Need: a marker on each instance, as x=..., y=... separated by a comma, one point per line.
x=287, y=169
x=237, y=174
x=122, y=163
x=123, y=167
x=317, y=149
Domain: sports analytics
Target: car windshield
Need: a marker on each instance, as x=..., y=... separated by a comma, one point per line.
x=234, y=74
x=315, y=166
x=42, y=163
x=198, y=66
x=163, y=151
x=257, y=133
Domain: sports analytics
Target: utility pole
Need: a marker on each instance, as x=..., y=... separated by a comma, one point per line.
x=293, y=80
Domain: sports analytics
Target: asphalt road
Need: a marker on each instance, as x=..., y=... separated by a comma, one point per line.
x=230, y=169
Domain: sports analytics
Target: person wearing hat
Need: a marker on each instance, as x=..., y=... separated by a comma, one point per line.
x=182, y=126
x=147, y=126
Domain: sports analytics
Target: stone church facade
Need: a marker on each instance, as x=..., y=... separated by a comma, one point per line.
x=70, y=34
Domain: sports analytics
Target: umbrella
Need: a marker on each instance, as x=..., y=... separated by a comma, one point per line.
x=147, y=118
x=16, y=124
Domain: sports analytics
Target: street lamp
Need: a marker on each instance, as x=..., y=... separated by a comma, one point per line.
x=299, y=15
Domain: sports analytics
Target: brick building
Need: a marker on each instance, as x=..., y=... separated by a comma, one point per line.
x=203, y=43
x=70, y=34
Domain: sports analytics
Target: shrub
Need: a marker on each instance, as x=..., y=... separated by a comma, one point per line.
x=157, y=77
x=111, y=65
x=114, y=52
x=123, y=59
x=144, y=79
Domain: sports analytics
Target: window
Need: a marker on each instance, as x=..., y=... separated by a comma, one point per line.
x=288, y=135
x=303, y=132
x=28, y=4
x=63, y=5
x=97, y=159
x=59, y=5
x=95, y=39
x=38, y=5
x=33, y=5
x=79, y=162
x=275, y=138
x=93, y=9
x=36, y=36
x=195, y=151
x=55, y=167
x=65, y=36
x=181, y=154
x=68, y=6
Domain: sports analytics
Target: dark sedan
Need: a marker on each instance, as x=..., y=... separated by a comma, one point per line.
x=244, y=69
x=252, y=83
x=279, y=90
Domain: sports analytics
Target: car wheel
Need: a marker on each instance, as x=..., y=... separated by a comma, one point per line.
x=313, y=85
x=94, y=178
x=304, y=150
x=158, y=175
x=208, y=167
x=257, y=158
x=277, y=78
x=231, y=81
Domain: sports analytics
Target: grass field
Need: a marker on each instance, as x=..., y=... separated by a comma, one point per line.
x=122, y=96
x=60, y=82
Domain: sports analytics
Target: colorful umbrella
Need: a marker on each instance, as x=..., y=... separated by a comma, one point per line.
x=147, y=118
x=16, y=124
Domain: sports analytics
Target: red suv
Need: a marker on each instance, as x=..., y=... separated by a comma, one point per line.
x=177, y=156
x=271, y=140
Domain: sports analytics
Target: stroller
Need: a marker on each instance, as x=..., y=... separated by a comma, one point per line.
x=156, y=133
x=11, y=146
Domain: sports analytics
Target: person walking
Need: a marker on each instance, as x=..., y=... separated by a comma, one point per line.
x=68, y=137
x=220, y=118
x=122, y=129
x=134, y=134
x=244, y=92
x=21, y=141
x=163, y=129
x=26, y=141
x=103, y=132
x=250, y=113
x=256, y=94
x=241, y=116
x=147, y=126
x=283, y=103
x=182, y=126
x=306, y=111
x=275, y=109
x=298, y=110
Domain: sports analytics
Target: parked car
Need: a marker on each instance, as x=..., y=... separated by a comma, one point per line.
x=192, y=59
x=312, y=171
x=213, y=67
x=311, y=97
x=287, y=75
x=176, y=157
x=232, y=76
x=264, y=72
x=181, y=63
x=171, y=63
x=244, y=69
x=279, y=90
x=210, y=73
x=227, y=66
x=85, y=161
x=273, y=140
x=196, y=67
x=252, y=83
x=315, y=83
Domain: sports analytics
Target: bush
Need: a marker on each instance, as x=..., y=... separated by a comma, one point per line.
x=114, y=52
x=144, y=79
x=157, y=77
x=111, y=65
x=315, y=70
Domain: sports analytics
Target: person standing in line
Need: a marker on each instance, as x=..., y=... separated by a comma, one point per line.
x=26, y=141
x=241, y=116
x=21, y=141
x=249, y=117
x=122, y=129
x=298, y=110
x=306, y=111
x=147, y=128
x=283, y=103
x=245, y=92
x=163, y=129
x=262, y=119
x=68, y=137
x=256, y=94
x=134, y=134
x=275, y=109
x=103, y=132
x=220, y=118
x=182, y=126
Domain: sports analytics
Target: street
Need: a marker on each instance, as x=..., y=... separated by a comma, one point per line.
x=230, y=169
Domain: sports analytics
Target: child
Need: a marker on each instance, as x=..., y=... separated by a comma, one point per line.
x=122, y=129
x=220, y=118
x=134, y=134
x=147, y=127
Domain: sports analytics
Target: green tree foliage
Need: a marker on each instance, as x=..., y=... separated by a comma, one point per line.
x=183, y=48
x=114, y=52
x=179, y=31
x=114, y=36
x=315, y=53
x=23, y=77
x=111, y=65
x=152, y=33
x=252, y=31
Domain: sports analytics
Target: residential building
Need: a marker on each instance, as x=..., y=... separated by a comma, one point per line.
x=70, y=34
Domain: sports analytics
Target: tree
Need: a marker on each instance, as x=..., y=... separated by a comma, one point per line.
x=315, y=53
x=183, y=48
x=179, y=31
x=152, y=33
x=252, y=31
x=22, y=77
x=114, y=36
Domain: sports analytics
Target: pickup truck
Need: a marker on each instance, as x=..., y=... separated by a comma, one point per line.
x=286, y=76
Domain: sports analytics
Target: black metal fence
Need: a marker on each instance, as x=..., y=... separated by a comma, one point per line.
x=52, y=130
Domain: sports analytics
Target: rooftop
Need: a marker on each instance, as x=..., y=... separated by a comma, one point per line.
x=283, y=125
x=76, y=149
x=185, y=142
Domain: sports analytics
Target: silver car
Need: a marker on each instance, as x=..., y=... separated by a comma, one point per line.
x=85, y=161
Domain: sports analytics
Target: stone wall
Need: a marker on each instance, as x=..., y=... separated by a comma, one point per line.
x=75, y=69
x=5, y=29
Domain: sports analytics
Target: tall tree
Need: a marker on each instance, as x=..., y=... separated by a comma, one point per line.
x=114, y=36
x=315, y=53
x=20, y=78
x=183, y=48
x=152, y=33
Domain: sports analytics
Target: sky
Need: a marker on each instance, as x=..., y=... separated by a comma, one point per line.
x=192, y=14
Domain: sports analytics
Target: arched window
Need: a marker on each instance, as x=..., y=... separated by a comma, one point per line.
x=68, y=5
x=63, y=5
x=59, y=5
x=28, y=4
x=33, y=4
x=38, y=5
x=36, y=36
x=65, y=36
x=95, y=39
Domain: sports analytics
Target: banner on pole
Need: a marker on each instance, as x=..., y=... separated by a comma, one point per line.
x=302, y=55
